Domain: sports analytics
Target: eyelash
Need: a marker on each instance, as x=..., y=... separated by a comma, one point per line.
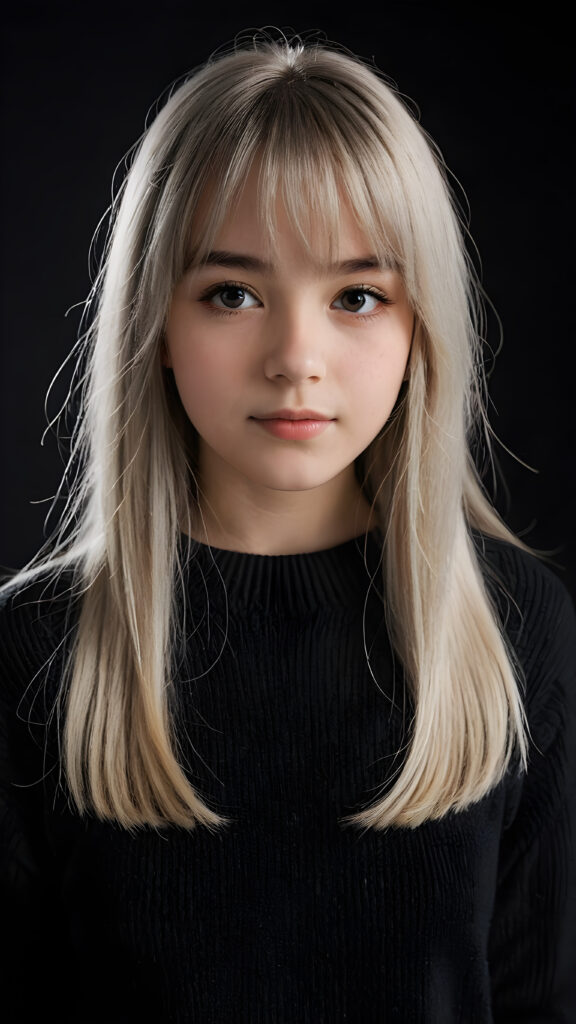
x=216, y=289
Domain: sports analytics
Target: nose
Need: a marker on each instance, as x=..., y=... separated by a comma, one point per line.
x=295, y=349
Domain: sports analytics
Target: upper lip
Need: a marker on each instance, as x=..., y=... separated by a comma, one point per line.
x=293, y=414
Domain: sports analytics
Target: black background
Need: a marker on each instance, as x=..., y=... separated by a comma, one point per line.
x=495, y=91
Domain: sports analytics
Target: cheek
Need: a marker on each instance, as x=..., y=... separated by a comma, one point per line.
x=193, y=385
x=206, y=382
x=375, y=380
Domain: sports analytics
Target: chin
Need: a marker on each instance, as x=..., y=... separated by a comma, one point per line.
x=291, y=481
x=292, y=486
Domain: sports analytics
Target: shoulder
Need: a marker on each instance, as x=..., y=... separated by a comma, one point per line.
x=526, y=590
x=538, y=618
x=36, y=603
x=521, y=569
x=37, y=616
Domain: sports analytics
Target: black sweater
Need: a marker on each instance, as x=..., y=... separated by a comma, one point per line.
x=286, y=916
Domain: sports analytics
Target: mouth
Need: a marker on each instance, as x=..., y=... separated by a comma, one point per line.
x=294, y=424
x=309, y=415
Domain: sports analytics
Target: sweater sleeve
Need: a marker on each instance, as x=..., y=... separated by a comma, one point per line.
x=31, y=930
x=533, y=933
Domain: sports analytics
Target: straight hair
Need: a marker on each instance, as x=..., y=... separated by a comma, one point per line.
x=322, y=126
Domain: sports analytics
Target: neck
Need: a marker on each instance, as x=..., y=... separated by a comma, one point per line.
x=271, y=522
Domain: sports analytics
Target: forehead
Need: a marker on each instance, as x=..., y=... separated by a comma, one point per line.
x=284, y=230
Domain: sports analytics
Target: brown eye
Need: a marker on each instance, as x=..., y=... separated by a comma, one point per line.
x=360, y=300
x=353, y=300
x=232, y=297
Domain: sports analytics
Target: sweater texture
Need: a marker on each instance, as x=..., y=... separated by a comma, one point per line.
x=291, y=713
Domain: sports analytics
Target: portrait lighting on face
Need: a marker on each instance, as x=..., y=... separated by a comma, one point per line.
x=287, y=370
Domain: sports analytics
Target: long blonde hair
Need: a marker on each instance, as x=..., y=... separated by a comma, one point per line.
x=319, y=121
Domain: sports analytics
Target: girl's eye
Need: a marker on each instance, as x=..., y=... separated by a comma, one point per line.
x=360, y=300
x=230, y=296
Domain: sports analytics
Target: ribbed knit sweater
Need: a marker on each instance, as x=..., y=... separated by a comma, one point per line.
x=286, y=916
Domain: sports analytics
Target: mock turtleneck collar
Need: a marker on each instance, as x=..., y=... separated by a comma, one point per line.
x=333, y=577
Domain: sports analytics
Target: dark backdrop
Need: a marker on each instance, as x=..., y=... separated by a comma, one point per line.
x=494, y=90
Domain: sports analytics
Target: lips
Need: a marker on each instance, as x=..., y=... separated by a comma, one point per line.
x=292, y=414
x=294, y=424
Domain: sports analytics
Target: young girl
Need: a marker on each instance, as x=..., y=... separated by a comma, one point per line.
x=287, y=712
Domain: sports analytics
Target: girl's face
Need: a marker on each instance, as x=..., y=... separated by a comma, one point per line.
x=287, y=369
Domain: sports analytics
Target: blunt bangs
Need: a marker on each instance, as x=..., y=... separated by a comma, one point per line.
x=314, y=149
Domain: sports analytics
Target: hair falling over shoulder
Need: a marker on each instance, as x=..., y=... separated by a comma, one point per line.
x=283, y=103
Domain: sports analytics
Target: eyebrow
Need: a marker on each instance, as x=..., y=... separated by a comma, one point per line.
x=241, y=261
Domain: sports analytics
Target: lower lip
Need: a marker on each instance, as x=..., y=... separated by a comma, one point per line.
x=294, y=430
